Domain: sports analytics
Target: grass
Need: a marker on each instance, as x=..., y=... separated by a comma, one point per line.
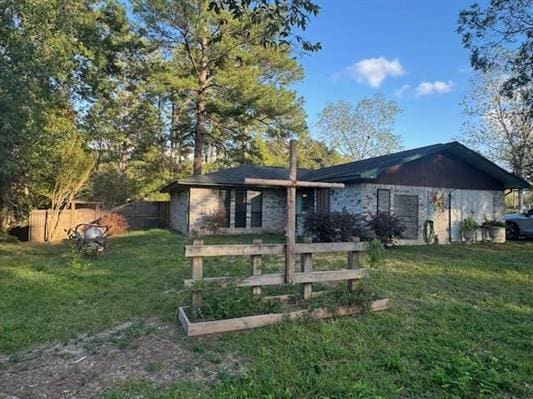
x=461, y=325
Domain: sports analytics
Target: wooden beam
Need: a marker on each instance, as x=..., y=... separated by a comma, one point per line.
x=290, y=230
x=306, y=264
x=247, y=322
x=271, y=249
x=288, y=183
x=256, y=268
x=353, y=263
x=197, y=275
x=279, y=278
x=320, y=247
x=234, y=250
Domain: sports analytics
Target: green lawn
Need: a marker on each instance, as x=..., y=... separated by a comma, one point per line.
x=461, y=322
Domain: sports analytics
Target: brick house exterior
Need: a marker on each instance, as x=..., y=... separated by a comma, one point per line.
x=444, y=183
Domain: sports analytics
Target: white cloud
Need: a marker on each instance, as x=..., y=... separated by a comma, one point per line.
x=436, y=87
x=401, y=91
x=374, y=70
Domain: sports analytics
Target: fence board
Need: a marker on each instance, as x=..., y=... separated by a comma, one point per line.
x=279, y=278
x=139, y=215
x=271, y=249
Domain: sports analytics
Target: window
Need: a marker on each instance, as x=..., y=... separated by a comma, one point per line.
x=383, y=200
x=305, y=201
x=240, y=208
x=224, y=200
x=322, y=200
x=256, y=202
x=406, y=208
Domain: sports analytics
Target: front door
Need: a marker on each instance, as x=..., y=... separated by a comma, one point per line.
x=406, y=209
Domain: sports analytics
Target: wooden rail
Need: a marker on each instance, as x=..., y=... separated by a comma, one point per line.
x=199, y=250
x=307, y=276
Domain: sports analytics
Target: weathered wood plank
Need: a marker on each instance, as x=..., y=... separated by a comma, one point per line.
x=353, y=263
x=256, y=268
x=271, y=249
x=288, y=183
x=197, y=275
x=330, y=275
x=322, y=247
x=279, y=278
x=306, y=264
x=244, y=323
x=234, y=250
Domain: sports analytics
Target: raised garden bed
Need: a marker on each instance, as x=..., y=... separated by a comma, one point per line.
x=243, y=323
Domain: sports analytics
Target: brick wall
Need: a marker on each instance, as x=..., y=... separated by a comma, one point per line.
x=178, y=211
x=204, y=201
x=361, y=199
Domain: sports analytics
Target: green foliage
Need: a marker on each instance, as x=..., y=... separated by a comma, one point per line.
x=470, y=224
x=376, y=252
x=363, y=130
x=501, y=24
x=460, y=314
x=386, y=226
x=228, y=302
x=332, y=226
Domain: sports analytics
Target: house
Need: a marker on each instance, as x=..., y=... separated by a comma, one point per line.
x=444, y=183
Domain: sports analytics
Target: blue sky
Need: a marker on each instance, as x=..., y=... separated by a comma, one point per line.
x=371, y=46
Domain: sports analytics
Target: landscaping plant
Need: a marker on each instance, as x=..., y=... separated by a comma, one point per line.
x=332, y=226
x=387, y=227
x=116, y=223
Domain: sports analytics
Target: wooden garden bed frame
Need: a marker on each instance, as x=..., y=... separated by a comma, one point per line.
x=306, y=277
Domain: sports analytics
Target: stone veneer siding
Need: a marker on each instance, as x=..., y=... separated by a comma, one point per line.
x=203, y=201
x=361, y=199
x=179, y=206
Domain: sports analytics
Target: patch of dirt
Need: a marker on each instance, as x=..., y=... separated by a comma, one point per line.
x=91, y=365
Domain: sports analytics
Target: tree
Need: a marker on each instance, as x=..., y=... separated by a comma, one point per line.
x=503, y=23
x=229, y=81
x=71, y=164
x=499, y=126
x=52, y=57
x=362, y=130
x=312, y=154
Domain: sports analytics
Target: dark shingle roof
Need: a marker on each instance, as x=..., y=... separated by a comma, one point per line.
x=233, y=176
x=366, y=169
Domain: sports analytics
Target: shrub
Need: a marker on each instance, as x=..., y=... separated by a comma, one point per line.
x=470, y=224
x=215, y=220
x=115, y=221
x=387, y=227
x=332, y=226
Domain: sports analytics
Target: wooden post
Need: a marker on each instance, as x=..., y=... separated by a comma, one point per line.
x=353, y=263
x=256, y=269
x=291, y=216
x=306, y=261
x=197, y=275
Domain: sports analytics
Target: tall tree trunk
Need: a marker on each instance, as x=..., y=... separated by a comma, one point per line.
x=201, y=113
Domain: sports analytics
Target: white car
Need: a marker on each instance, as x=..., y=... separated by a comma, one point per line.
x=519, y=225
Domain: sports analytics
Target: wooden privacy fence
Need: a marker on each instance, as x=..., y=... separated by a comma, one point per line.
x=306, y=277
x=42, y=220
x=145, y=214
x=139, y=215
